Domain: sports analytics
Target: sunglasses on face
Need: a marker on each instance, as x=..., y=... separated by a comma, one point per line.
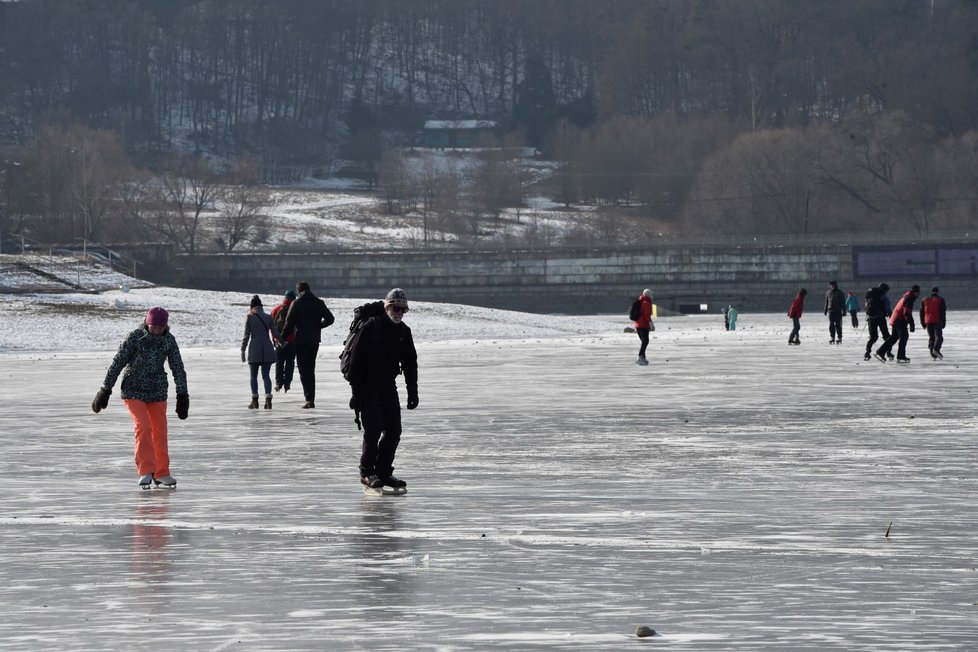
x=399, y=309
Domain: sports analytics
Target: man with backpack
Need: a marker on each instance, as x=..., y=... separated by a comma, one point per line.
x=933, y=315
x=307, y=317
x=876, y=314
x=641, y=314
x=378, y=349
x=285, y=354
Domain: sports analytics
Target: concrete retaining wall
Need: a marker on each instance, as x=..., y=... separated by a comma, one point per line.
x=567, y=281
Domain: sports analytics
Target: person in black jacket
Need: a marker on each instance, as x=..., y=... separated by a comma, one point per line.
x=835, y=308
x=383, y=351
x=308, y=316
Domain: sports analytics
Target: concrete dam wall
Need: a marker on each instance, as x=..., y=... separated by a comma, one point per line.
x=752, y=278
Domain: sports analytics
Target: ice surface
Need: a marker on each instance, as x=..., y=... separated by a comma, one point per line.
x=734, y=494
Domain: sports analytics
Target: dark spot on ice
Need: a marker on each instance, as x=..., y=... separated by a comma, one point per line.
x=643, y=631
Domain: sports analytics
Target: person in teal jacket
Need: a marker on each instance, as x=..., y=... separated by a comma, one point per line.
x=852, y=305
x=732, y=318
x=140, y=360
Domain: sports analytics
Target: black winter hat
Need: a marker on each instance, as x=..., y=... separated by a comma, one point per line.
x=803, y=292
x=934, y=290
x=255, y=301
x=884, y=287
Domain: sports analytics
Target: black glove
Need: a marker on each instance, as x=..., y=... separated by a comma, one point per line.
x=243, y=359
x=911, y=327
x=412, y=398
x=101, y=400
x=183, y=405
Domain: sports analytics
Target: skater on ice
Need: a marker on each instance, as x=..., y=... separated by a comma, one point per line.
x=794, y=312
x=285, y=352
x=643, y=325
x=383, y=350
x=875, y=310
x=852, y=307
x=307, y=317
x=901, y=321
x=732, y=318
x=140, y=359
x=835, y=308
x=933, y=316
x=258, y=350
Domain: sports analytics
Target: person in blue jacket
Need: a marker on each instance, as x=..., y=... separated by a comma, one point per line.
x=852, y=305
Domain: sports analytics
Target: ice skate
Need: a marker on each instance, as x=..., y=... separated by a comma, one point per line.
x=309, y=405
x=933, y=354
x=146, y=481
x=940, y=356
x=879, y=356
x=903, y=360
x=167, y=481
x=867, y=356
x=254, y=402
x=268, y=401
x=393, y=485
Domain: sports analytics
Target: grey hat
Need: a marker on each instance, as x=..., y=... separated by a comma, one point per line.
x=396, y=297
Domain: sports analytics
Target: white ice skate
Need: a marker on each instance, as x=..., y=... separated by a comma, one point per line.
x=167, y=481
x=146, y=481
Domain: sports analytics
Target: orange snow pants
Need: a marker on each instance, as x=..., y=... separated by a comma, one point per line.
x=149, y=420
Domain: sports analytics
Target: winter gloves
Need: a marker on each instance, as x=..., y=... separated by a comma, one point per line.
x=101, y=400
x=183, y=405
x=412, y=398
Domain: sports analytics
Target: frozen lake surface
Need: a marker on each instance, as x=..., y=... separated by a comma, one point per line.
x=735, y=494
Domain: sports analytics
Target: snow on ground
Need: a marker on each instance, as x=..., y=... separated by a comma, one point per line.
x=735, y=494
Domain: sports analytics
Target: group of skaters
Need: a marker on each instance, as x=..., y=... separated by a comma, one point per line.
x=880, y=313
x=288, y=337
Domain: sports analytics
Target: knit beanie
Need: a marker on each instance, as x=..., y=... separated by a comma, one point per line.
x=255, y=301
x=157, y=317
x=647, y=292
x=290, y=295
x=934, y=290
x=396, y=297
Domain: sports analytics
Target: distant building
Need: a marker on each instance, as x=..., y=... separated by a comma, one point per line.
x=457, y=133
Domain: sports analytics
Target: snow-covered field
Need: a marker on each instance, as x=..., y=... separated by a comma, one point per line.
x=735, y=494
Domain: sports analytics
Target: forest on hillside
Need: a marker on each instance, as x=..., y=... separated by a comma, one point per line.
x=776, y=116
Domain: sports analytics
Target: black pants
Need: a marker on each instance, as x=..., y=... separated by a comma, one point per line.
x=855, y=318
x=796, y=327
x=305, y=357
x=877, y=325
x=285, y=366
x=935, y=337
x=380, y=412
x=900, y=334
x=835, y=325
x=643, y=336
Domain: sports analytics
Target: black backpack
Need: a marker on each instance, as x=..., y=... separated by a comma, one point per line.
x=360, y=317
x=874, y=303
x=635, y=312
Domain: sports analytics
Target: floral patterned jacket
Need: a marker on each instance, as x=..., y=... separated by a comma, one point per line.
x=142, y=355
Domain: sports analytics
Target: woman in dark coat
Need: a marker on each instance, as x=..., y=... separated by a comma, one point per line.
x=258, y=351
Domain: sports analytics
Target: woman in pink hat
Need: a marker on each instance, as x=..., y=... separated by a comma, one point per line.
x=140, y=359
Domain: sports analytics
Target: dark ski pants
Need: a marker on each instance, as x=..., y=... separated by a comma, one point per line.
x=285, y=366
x=380, y=412
x=877, y=325
x=796, y=327
x=643, y=337
x=855, y=318
x=935, y=337
x=835, y=325
x=901, y=334
x=305, y=358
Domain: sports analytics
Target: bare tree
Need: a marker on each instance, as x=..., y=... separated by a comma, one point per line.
x=187, y=189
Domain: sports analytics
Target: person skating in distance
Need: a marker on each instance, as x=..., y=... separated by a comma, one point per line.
x=794, y=312
x=835, y=308
x=384, y=350
x=933, y=315
x=900, y=322
x=144, y=391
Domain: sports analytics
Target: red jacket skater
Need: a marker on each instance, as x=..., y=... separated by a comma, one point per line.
x=797, y=306
x=645, y=321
